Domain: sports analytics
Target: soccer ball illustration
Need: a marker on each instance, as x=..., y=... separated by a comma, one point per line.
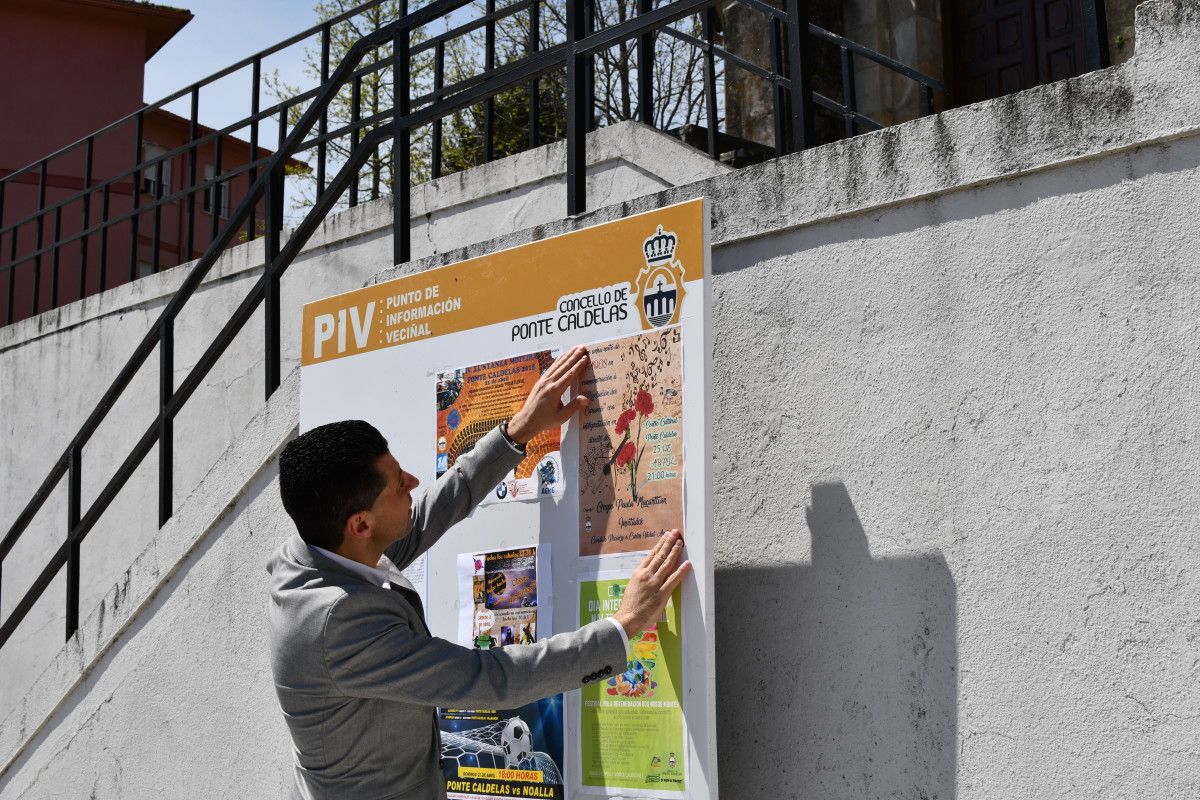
x=516, y=741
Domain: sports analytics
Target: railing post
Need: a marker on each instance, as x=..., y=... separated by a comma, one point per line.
x=323, y=124
x=7, y=319
x=849, y=92
x=103, y=237
x=489, y=64
x=577, y=112
x=708, y=21
x=926, y=99
x=589, y=67
x=55, y=259
x=401, y=155
x=156, y=229
x=439, y=76
x=800, y=74
x=40, y=240
x=779, y=127
x=216, y=192
x=531, y=47
x=645, y=62
x=12, y=274
x=136, y=196
x=274, y=209
x=252, y=175
x=193, y=130
x=74, y=493
x=355, y=102
x=87, y=215
x=166, y=426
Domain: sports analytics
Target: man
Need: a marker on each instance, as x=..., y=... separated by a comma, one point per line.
x=359, y=676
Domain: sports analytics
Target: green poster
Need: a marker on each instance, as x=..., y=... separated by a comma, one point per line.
x=631, y=730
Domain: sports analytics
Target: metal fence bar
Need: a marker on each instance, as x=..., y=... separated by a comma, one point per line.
x=74, y=497
x=252, y=176
x=355, y=99
x=578, y=113
x=778, y=123
x=166, y=419
x=926, y=99
x=273, y=353
x=800, y=74
x=645, y=65
x=102, y=285
x=55, y=259
x=849, y=92
x=708, y=21
x=401, y=151
x=191, y=196
x=12, y=276
x=489, y=64
x=531, y=47
x=439, y=76
x=156, y=238
x=216, y=194
x=87, y=216
x=323, y=125
x=136, y=196
x=41, y=226
x=588, y=74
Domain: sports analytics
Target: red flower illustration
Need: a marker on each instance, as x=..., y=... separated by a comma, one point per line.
x=644, y=403
x=623, y=421
x=626, y=454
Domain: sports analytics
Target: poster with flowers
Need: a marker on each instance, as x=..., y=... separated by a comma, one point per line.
x=631, y=443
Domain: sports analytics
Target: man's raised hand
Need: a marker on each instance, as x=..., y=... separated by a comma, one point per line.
x=544, y=407
x=650, y=588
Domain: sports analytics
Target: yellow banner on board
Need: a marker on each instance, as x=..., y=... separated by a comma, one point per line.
x=637, y=266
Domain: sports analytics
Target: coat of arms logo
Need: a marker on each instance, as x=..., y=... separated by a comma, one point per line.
x=658, y=291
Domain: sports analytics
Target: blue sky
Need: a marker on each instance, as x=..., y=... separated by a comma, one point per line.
x=222, y=33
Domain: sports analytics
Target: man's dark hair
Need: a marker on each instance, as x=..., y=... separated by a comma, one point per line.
x=329, y=473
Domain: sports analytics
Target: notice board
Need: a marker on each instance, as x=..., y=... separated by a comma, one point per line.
x=437, y=359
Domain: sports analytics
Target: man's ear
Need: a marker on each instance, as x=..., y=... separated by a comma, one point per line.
x=359, y=525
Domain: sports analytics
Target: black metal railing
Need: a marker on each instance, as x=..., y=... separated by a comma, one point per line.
x=303, y=125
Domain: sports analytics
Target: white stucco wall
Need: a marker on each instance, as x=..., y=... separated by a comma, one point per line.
x=955, y=469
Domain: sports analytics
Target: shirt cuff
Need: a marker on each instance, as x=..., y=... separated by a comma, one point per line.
x=624, y=635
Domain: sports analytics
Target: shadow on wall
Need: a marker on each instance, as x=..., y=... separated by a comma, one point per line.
x=838, y=678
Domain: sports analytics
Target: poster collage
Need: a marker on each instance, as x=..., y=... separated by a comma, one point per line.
x=629, y=485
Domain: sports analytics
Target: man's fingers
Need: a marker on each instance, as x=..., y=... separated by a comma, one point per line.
x=676, y=578
x=565, y=362
x=669, y=561
x=577, y=405
x=660, y=551
x=572, y=372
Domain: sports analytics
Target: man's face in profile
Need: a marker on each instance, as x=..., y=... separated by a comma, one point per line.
x=392, y=509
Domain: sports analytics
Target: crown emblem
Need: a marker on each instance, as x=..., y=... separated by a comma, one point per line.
x=659, y=285
x=659, y=247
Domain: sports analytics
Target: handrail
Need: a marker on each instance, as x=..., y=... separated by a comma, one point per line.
x=795, y=102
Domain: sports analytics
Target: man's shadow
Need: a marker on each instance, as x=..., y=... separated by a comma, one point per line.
x=837, y=679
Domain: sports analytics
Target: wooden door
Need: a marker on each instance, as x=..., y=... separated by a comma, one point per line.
x=998, y=47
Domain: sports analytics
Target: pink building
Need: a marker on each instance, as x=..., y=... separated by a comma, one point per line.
x=68, y=68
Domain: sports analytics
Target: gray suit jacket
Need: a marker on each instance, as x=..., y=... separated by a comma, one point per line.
x=359, y=677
